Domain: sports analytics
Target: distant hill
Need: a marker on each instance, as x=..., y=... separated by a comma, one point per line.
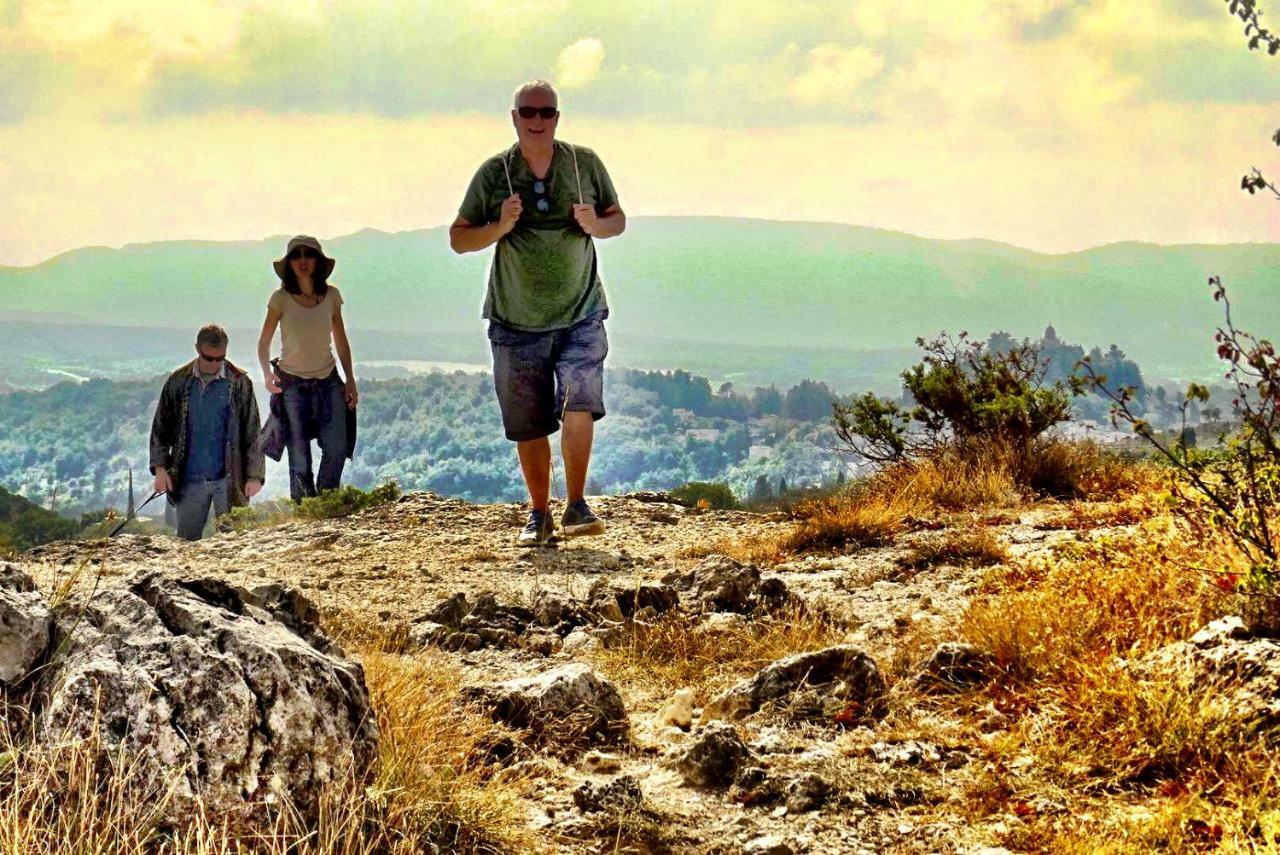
x=24, y=524
x=711, y=280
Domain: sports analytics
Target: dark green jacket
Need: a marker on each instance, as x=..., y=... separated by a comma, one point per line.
x=169, y=432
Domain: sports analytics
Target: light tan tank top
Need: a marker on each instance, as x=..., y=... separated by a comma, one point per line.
x=306, y=333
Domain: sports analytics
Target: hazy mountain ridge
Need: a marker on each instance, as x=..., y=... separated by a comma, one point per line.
x=757, y=282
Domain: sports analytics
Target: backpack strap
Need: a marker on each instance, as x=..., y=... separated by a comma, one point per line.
x=576, y=177
x=511, y=190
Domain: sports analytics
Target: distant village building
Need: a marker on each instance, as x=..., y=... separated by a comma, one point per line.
x=704, y=434
x=759, y=452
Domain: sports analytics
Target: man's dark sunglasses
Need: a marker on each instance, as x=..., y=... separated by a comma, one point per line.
x=544, y=112
x=212, y=358
x=302, y=252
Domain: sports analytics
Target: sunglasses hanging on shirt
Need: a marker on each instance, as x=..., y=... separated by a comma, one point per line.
x=540, y=188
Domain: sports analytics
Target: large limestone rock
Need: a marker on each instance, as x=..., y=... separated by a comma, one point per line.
x=567, y=705
x=720, y=584
x=840, y=680
x=234, y=694
x=1236, y=673
x=25, y=622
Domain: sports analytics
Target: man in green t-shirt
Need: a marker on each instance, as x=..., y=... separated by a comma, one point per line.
x=543, y=202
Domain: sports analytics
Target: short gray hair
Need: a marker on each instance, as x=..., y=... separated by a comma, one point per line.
x=535, y=85
x=212, y=335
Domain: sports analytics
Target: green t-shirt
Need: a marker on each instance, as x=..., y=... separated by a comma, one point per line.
x=544, y=274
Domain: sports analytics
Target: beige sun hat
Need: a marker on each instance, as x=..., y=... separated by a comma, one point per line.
x=324, y=264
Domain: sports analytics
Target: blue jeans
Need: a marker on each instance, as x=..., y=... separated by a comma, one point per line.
x=316, y=409
x=192, y=511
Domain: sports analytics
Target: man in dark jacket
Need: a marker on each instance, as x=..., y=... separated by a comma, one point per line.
x=204, y=437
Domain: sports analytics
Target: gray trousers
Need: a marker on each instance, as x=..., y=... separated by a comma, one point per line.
x=192, y=511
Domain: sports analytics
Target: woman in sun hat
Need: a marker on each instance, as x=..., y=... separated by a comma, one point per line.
x=314, y=401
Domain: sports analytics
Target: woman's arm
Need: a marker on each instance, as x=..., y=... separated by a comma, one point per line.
x=264, y=350
x=343, y=347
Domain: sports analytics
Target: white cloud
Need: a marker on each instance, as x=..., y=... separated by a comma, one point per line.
x=833, y=73
x=579, y=63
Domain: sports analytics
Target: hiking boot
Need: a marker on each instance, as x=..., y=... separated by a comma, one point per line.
x=537, y=531
x=578, y=520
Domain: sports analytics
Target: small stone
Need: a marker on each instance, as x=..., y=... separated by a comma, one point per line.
x=725, y=622
x=910, y=753
x=608, y=610
x=451, y=611
x=955, y=666
x=770, y=740
x=620, y=795
x=768, y=845
x=424, y=633
x=807, y=793
x=579, y=641
x=646, y=615
x=602, y=763
x=714, y=758
x=678, y=712
x=568, y=704
x=544, y=643
x=842, y=678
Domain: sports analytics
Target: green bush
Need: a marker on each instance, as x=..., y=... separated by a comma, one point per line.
x=345, y=501
x=966, y=396
x=716, y=494
x=259, y=515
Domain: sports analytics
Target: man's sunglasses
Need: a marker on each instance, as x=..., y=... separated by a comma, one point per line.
x=302, y=252
x=543, y=112
x=212, y=358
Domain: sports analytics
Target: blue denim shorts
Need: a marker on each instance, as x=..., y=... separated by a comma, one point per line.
x=540, y=375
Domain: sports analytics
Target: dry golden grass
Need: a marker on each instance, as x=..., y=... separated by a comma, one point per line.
x=428, y=785
x=1085, y=470
x=1140, y=762
x=977, y=547
x=845, y=521
x=764, y=548
x=986, y=477
x=677, y=651
x=358, y=629
x=897, y=499
x=1114, y=597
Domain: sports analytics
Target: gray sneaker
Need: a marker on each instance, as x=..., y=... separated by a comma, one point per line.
x=537, y=531
x=578, y=520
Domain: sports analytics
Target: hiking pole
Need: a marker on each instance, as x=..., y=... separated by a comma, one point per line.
x=117, y=529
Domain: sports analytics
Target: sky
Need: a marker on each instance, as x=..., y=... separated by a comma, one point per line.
x=1054, y=125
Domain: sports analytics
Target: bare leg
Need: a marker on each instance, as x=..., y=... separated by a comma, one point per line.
x=535, y=464
x=577, y=434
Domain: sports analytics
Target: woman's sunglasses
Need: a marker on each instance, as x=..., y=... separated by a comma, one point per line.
x=302, y=252
x=542, y=112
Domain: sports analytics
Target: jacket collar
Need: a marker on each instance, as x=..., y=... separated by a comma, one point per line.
x=220, y=374
x=229, y=370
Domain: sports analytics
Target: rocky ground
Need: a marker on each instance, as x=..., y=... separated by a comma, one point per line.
x=793, y=787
